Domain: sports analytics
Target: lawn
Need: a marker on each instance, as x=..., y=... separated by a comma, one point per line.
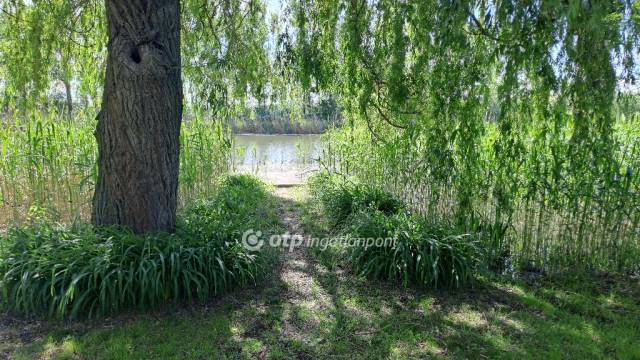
x=345, y=317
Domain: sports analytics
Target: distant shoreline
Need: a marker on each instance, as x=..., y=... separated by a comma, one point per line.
x=264, y=134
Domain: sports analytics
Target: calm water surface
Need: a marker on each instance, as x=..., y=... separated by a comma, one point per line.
x=278, y=159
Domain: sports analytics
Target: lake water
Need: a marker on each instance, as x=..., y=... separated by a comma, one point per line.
x=278, y=159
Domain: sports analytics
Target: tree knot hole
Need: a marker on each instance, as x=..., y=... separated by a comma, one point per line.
x=135, y=55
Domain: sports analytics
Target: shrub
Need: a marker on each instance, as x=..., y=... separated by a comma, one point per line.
x=69, y=272
x=241, y=203
x=340, y=198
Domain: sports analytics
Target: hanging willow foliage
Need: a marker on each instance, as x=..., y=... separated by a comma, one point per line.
x=43, y=41
x=501, y=117
x=47, y=147
x=50, y=41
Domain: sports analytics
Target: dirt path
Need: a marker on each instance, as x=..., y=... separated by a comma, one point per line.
x=300, y=292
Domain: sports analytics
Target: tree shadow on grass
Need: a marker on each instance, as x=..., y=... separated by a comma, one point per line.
x=305, y=311
x=377, y=320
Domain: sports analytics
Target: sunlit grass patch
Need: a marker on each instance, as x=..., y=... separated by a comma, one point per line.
x=498, y=318
x=66, y=348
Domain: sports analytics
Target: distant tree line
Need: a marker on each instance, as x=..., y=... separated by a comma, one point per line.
x=311, y=119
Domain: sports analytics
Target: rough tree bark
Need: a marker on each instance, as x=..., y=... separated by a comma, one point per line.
x=139, y=124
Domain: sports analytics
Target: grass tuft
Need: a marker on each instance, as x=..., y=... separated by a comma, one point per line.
x=420, y=254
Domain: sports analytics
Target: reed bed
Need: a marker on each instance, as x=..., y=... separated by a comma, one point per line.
x=539, y=199
x=48, y=164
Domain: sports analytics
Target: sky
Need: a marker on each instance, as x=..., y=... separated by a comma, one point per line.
x=274, y=7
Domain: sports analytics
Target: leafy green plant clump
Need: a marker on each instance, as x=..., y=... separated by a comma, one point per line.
x=79, y=271
x=341, y=198
x=418, y=254
x=406, y=248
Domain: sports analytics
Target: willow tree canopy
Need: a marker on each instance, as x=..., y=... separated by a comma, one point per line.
x=224, y=50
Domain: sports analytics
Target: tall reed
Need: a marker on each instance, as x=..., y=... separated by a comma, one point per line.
x=48, y=163
x=536, y=196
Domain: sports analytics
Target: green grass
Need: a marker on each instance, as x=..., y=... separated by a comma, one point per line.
x=423, y=255
x=48, y=163
x=341, y=198
x=344, y=316
x=349, y=317
x=522, y=181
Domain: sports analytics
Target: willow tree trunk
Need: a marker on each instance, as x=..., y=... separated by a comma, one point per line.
x=139, y=124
